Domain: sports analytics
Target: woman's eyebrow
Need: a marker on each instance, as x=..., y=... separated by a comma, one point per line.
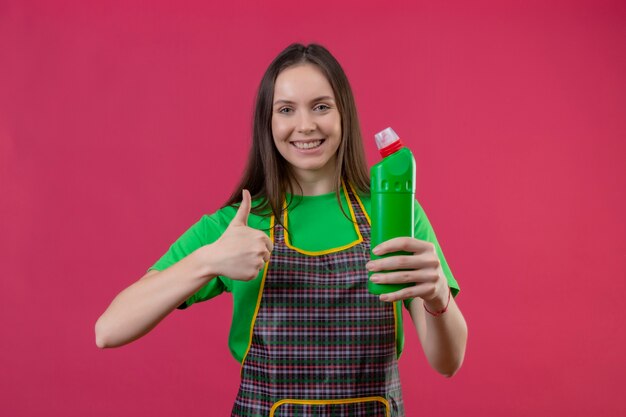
x=282, y=102
x=320, y=98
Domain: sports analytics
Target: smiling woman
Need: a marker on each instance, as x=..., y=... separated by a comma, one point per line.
x=292, y=245
x=307, y=127
x=303, y=91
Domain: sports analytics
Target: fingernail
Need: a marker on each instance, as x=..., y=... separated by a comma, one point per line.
x=376, y=250
x=375, y=278
x=368, y=265
x=384, y=297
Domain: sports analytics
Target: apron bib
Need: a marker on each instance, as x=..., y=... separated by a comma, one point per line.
x=322, y=345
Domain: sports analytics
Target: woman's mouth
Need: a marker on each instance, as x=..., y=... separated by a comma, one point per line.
x=308, y=144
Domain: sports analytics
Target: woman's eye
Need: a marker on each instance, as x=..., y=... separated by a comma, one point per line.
x=284, y=110
x=322, y=107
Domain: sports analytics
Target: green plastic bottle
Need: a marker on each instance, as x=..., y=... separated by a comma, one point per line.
x=393, y=199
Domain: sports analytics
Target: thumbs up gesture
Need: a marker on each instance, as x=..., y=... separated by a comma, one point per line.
x=241, y=218
x=241, y=252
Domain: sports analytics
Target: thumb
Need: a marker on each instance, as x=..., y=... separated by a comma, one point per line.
x=241, y=218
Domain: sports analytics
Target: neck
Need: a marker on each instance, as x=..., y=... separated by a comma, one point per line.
x=312, y=183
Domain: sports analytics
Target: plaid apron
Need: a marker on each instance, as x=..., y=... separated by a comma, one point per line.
x=321, y=345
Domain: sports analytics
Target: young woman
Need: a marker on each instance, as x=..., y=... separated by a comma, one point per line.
x=292, y=246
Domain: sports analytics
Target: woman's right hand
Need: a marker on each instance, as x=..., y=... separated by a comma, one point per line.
x=241, y=252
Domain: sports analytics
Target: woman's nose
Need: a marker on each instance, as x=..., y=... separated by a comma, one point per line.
x=306, y=123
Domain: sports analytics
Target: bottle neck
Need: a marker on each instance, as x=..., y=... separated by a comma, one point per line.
x=389, y=149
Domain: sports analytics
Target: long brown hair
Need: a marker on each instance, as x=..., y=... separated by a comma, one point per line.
x=267, y=173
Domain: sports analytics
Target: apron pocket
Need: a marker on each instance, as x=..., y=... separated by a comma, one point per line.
x=353, y=407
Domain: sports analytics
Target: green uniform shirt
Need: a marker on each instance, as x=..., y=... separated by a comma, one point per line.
x=315, y=223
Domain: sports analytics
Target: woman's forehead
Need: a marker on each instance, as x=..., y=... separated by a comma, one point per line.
x=302, y=83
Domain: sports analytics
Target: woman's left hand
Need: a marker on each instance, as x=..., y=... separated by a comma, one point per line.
x=422, y=268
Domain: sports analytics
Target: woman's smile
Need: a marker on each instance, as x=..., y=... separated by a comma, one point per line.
x=311, y=144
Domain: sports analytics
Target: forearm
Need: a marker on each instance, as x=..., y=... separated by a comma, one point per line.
x=140, y=307
x=443, y=338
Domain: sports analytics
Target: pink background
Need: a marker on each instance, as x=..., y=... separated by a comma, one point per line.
x=121, y=123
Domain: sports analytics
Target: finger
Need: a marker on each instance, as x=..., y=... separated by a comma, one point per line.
x=421, y=290
x=402, y=294
x=267, y=242
x=407, y=244
x=402, y=262
x=417, y=276
x=241, y=218
x=399, y=277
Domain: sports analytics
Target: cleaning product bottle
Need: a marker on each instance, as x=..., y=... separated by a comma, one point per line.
x=393, y=199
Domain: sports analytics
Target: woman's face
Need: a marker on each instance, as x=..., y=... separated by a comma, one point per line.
x=306, y=123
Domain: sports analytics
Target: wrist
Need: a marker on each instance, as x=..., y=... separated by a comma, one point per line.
x=438, y=305
x=203, y=264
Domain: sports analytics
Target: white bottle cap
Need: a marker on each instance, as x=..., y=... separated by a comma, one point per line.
x=385, y=138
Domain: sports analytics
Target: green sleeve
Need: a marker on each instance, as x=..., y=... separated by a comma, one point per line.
x=207, y=230
x=424, y=231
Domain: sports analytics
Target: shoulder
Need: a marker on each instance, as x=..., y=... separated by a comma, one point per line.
x=418, y=209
